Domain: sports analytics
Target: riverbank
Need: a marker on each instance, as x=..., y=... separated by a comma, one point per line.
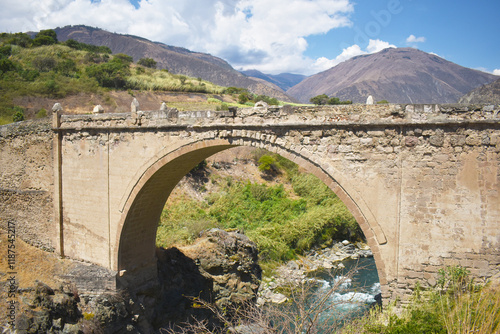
x=297, y=272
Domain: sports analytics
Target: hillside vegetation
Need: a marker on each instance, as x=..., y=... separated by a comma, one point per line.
x=285, y=216
x=44, y=68
x=175, y=59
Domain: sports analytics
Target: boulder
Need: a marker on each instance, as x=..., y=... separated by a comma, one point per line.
x=220, y=267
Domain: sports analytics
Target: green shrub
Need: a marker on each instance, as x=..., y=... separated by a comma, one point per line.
x=268, y=164
x=323, y=99
x=51, y=87
x=67, y=67
x=18, y=114
x=112, y=74
x=123, y=58
x=6, y=65
x=44, y=63
x=222, y=106
x=148, y=62
x=5, y=50
x=42, y=113
x=213, y=100
x=87, y=47
x=47, y=33
x=20, y=39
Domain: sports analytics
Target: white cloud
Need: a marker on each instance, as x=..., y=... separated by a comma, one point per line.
x=413, y=39
x=496, y=71
x=374, y=45
x=267, y=35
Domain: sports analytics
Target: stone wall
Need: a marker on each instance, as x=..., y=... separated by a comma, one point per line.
x=26, y=182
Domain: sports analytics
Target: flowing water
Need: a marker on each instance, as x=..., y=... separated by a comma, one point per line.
x=351, y=296
x=348, y=292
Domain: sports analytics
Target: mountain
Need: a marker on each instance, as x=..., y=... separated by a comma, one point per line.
x=486, y=94
x=284, y=81
x=175, y=59
x=398, y=75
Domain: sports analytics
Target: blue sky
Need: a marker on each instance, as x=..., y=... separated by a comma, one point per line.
x=275, y=36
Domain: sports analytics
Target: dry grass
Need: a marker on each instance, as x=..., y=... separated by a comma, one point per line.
x=473, y=312
x=31, y=265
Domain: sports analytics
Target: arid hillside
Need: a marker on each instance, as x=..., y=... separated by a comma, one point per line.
x=402, y=75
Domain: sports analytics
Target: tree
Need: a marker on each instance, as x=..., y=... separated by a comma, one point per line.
x=243, y=98
x=147, y=62
x=112, y=74
x=45, y=37
x=319, y=99
x=21, y=39
x=334, y=100
x=323, y=99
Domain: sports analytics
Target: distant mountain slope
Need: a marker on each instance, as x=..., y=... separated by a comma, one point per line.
x=402, y=75
x=486, y=94
x=177, y=60
x=284, y=80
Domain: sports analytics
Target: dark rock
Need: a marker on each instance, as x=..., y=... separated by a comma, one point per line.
x=111, y=312
x=220, y=268
x=42, y=322
x=44, y=289
x=437, y=139
x=72, y=329
x=65, y=307
x=23, y=322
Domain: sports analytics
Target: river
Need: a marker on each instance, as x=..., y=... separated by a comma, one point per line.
x=351, y=296
x=337, y=295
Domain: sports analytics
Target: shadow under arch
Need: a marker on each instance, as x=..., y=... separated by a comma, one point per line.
x=134, y=252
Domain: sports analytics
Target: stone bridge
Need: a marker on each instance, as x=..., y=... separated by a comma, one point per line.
x=422, y=181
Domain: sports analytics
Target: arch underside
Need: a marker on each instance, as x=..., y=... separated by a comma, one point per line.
x=136, y=235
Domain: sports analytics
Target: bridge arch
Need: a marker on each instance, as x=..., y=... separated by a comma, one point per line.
x=134, y=254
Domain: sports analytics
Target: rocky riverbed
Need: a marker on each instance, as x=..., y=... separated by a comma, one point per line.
x=220, y=267
x=296, y=272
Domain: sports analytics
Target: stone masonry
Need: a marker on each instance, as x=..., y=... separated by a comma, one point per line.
x=421, y=180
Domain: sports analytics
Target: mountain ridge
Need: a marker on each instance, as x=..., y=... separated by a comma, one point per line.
x=486, y=94
x=175, y=59
x=283, y=80
x=399, y=75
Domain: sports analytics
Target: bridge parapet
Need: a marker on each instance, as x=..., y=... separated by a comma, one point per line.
x=292, y=115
